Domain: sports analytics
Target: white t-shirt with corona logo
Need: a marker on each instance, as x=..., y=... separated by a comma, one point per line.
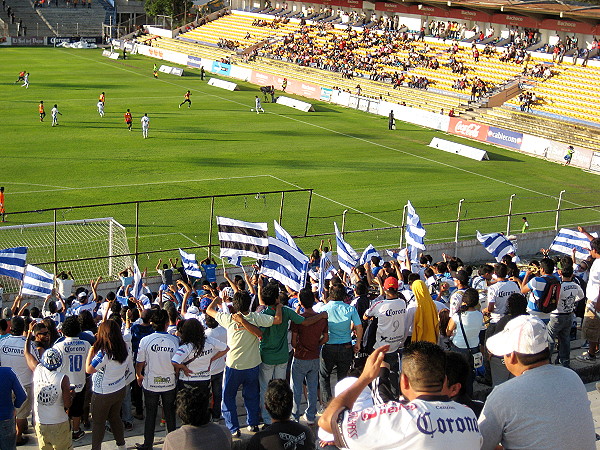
x=12, y=354
x=498, y=294
x=391, y=324
x=200, y=365
x=431, y=422
x=74, y=352
x=157, y=350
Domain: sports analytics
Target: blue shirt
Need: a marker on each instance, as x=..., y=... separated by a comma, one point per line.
x=340, y=316
x=210, y=271
x=10, y=384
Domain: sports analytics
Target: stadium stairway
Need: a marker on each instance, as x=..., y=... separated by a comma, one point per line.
x=32, y=22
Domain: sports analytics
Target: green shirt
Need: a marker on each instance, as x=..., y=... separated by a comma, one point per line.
x=274, y=343
x=243, y=346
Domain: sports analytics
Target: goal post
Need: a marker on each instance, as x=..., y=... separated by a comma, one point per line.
x=93, y=245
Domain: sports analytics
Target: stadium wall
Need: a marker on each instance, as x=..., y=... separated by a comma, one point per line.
x=522, y=142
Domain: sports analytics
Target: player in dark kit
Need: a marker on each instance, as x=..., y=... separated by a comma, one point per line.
x=186, y=99
x=128, y=119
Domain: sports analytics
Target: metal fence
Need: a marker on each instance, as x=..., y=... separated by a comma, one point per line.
x=158, y=228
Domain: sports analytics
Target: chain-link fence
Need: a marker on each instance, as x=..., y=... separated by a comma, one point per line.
x=157, y=228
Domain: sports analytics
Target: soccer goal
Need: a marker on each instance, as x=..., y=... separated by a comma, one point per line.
x=74, y=240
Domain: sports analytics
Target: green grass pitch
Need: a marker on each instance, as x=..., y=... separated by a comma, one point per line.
x=218, y=146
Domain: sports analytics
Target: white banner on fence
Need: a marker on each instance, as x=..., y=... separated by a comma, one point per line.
x=241, y=73
x=159, y=31
x=459, y=149
x=414, y=115
x=293, y=103
x=222, y=84
x=166, y=55
x=109, y=54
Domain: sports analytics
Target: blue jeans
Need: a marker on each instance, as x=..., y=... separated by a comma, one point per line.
x=559, y=328
x=305, y=369
x=126, y=414
x=9, y=434
x=267, y=373
x=168, y=404
x=338, y=356
x=248, y=379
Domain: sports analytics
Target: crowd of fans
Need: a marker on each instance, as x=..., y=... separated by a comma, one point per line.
x=83, y=361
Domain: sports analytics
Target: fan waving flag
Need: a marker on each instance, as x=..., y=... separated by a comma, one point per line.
x=190, y=264
x=326, y=269
x=368, y=254
x=239, y=238
x=566, y=240
x=286, y=264
x=284, y=236
x=37, y=282
x=347, y=257
x=138, y=286
x=496, y=244
x=415, y=233
x=12, y=262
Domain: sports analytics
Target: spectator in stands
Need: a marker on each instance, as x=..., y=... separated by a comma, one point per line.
x=591, y=323
x=243, y=359
x=197, y=431
x=284, y=432
x=458, y=373
x=512, y=415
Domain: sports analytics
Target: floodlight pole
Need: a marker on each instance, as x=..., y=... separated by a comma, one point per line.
x=510, y=206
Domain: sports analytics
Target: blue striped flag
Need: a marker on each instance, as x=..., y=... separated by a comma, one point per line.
x=235, y=260
x=284, y=236
x=347, y=257
x=286, y=264
x=368, y=254
x=190, y=264
x=326, y=270
x=12, y=262
x=138, y=286
x=37, y=282
x=415, y=232
x=566, y=240
x=496, y=244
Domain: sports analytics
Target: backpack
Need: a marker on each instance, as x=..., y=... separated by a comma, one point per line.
x=548, y=301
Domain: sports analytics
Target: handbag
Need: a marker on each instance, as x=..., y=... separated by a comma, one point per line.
x=476, y=359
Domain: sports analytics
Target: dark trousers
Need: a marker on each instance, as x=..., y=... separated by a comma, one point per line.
x=168, y=404
x=393, y=360
x=136, y=398
x=216, y=384
x=338, y=356
x=107, y=407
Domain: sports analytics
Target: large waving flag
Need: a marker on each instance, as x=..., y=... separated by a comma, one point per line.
x=12, y=262
x=368, y=254
x=496, y=244
x=415, y=233
x=190, y=264
x=286, y=264
x=37, y=282
x=239, y=238
x=326, y=271
x=347, y=257
x=566, y=240
x=284, y=236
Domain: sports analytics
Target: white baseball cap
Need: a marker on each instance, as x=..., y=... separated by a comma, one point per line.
x=524, y=334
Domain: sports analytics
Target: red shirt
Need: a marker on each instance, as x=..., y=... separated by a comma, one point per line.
x=127, y=117
x=308, y=337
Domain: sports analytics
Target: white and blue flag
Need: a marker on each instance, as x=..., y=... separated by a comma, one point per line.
x=235, y=260
x=138, y=287
x=284, y=236
x=12, y=262
x=566, y=240
x=497, y=244
x=326, y=271
x=368, y=254
x=415, y=232
x=37, y=282
x=286, y=264
x=347, y=257
x=190, y=264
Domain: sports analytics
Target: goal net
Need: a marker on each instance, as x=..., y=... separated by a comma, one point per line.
x=93, y=243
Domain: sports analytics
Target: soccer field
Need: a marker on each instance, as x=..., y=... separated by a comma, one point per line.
x=218, y=146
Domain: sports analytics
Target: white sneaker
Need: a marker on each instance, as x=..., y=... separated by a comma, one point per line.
x=308, y=422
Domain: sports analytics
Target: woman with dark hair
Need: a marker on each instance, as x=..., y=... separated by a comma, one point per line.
x=107, y=361
x=464, y=327
x=195, y=355
x=516, y=305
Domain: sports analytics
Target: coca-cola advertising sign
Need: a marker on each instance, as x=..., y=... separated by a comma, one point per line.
x=468, y=129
